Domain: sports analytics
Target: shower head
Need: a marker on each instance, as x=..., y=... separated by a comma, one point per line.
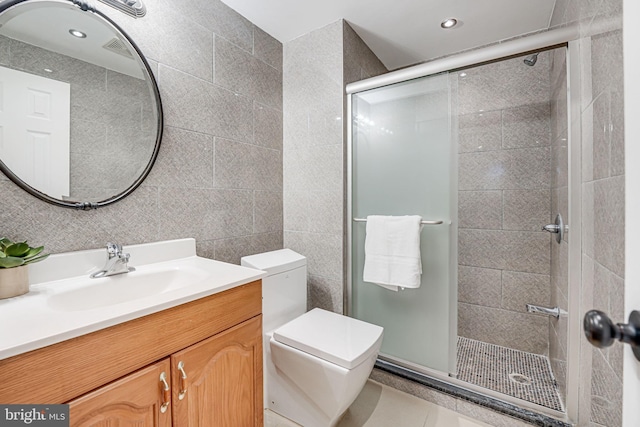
x=531, y=60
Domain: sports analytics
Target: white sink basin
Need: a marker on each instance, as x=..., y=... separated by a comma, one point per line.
x=88, y=294
x=64, y=302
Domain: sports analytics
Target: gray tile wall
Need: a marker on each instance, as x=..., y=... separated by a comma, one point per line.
x=317, y=66
x=603, y=259
x=218, y=177
x=505, y=194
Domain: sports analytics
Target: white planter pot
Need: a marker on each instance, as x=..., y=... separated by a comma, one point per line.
x=14, y=281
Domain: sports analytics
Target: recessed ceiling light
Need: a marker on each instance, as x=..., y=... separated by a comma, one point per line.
x=449, y=23
x=77, y=33
x=463, y=74
x=48, y=70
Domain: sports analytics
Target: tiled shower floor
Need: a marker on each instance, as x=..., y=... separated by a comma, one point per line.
x=516, y=373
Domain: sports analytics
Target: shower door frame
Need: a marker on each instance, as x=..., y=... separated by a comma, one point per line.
x=567, y=37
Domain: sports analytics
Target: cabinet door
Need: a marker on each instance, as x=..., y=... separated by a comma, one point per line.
x=133, y=401
x=223, y=384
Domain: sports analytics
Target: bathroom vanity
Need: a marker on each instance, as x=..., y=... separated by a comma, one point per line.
x=193, y=358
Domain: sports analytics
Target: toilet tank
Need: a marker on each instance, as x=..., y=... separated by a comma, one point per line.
x=284, y=289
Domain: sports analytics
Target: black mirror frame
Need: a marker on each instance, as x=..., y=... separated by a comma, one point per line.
x=86, y=7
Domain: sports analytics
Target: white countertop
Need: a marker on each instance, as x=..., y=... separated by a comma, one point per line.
x=47, y=315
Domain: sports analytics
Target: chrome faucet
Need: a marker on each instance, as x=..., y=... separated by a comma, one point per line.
x=116, y=262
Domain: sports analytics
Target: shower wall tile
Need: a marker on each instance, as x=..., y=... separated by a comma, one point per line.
x=560, y=163
x=606, y=392
x=480, y=131
x=480, y=209
x=608, y=197
x=617, y=133
x=505, y=250
x=606, y=62
x=240, y=165
x=520, y=331
x=601, y=136
x=520, y=289
x=504, y=84
x=526, y=210
x=527, y=168
x=559, y=270
x=588, y=219
x=239, y=71
x=527, y=126
x=481, y=286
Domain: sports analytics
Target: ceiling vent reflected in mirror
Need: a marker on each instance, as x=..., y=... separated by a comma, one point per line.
x=133, y=8
x=116, y=45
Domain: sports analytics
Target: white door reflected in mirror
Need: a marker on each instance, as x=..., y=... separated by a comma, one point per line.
x=34, y=130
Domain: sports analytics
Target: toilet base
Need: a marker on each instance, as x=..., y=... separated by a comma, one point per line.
x=310, y=391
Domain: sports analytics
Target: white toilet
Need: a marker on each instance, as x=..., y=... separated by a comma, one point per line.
x=317, y=362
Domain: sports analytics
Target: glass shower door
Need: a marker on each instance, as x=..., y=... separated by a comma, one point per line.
x=403, y=163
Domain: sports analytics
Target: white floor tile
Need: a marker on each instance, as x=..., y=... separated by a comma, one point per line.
x=381, y=406
x=443, y=417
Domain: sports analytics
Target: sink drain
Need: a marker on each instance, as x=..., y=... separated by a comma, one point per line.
x=520, y=379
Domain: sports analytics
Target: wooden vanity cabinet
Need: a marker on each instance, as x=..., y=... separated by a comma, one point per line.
x=134, y=400
x=212, y=383
x=224, y=380
x=112, y=376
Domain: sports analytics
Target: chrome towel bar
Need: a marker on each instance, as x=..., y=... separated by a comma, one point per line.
x=421, y=222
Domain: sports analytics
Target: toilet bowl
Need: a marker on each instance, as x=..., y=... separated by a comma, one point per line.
x=317, y=362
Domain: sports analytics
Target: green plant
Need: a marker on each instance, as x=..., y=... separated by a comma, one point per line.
x=15, y=254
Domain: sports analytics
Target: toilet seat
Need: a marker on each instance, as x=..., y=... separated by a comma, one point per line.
x=338, y=339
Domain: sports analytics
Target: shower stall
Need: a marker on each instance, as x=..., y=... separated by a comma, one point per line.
x=481, y=152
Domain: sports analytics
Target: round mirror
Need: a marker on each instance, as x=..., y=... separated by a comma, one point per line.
x=80, y=112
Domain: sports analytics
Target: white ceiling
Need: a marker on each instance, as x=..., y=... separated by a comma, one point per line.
x=402, y=32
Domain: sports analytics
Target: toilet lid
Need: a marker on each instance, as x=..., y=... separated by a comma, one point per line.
x=339, y=339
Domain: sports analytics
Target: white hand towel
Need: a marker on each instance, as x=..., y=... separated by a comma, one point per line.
x=392, y=251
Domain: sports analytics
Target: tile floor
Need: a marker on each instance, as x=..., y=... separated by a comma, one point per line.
x=381, y=406
x=517, y=373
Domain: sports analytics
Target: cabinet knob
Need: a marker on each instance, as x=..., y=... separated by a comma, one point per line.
x=602, y=332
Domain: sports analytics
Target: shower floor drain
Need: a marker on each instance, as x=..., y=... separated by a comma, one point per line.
x=520, y=379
